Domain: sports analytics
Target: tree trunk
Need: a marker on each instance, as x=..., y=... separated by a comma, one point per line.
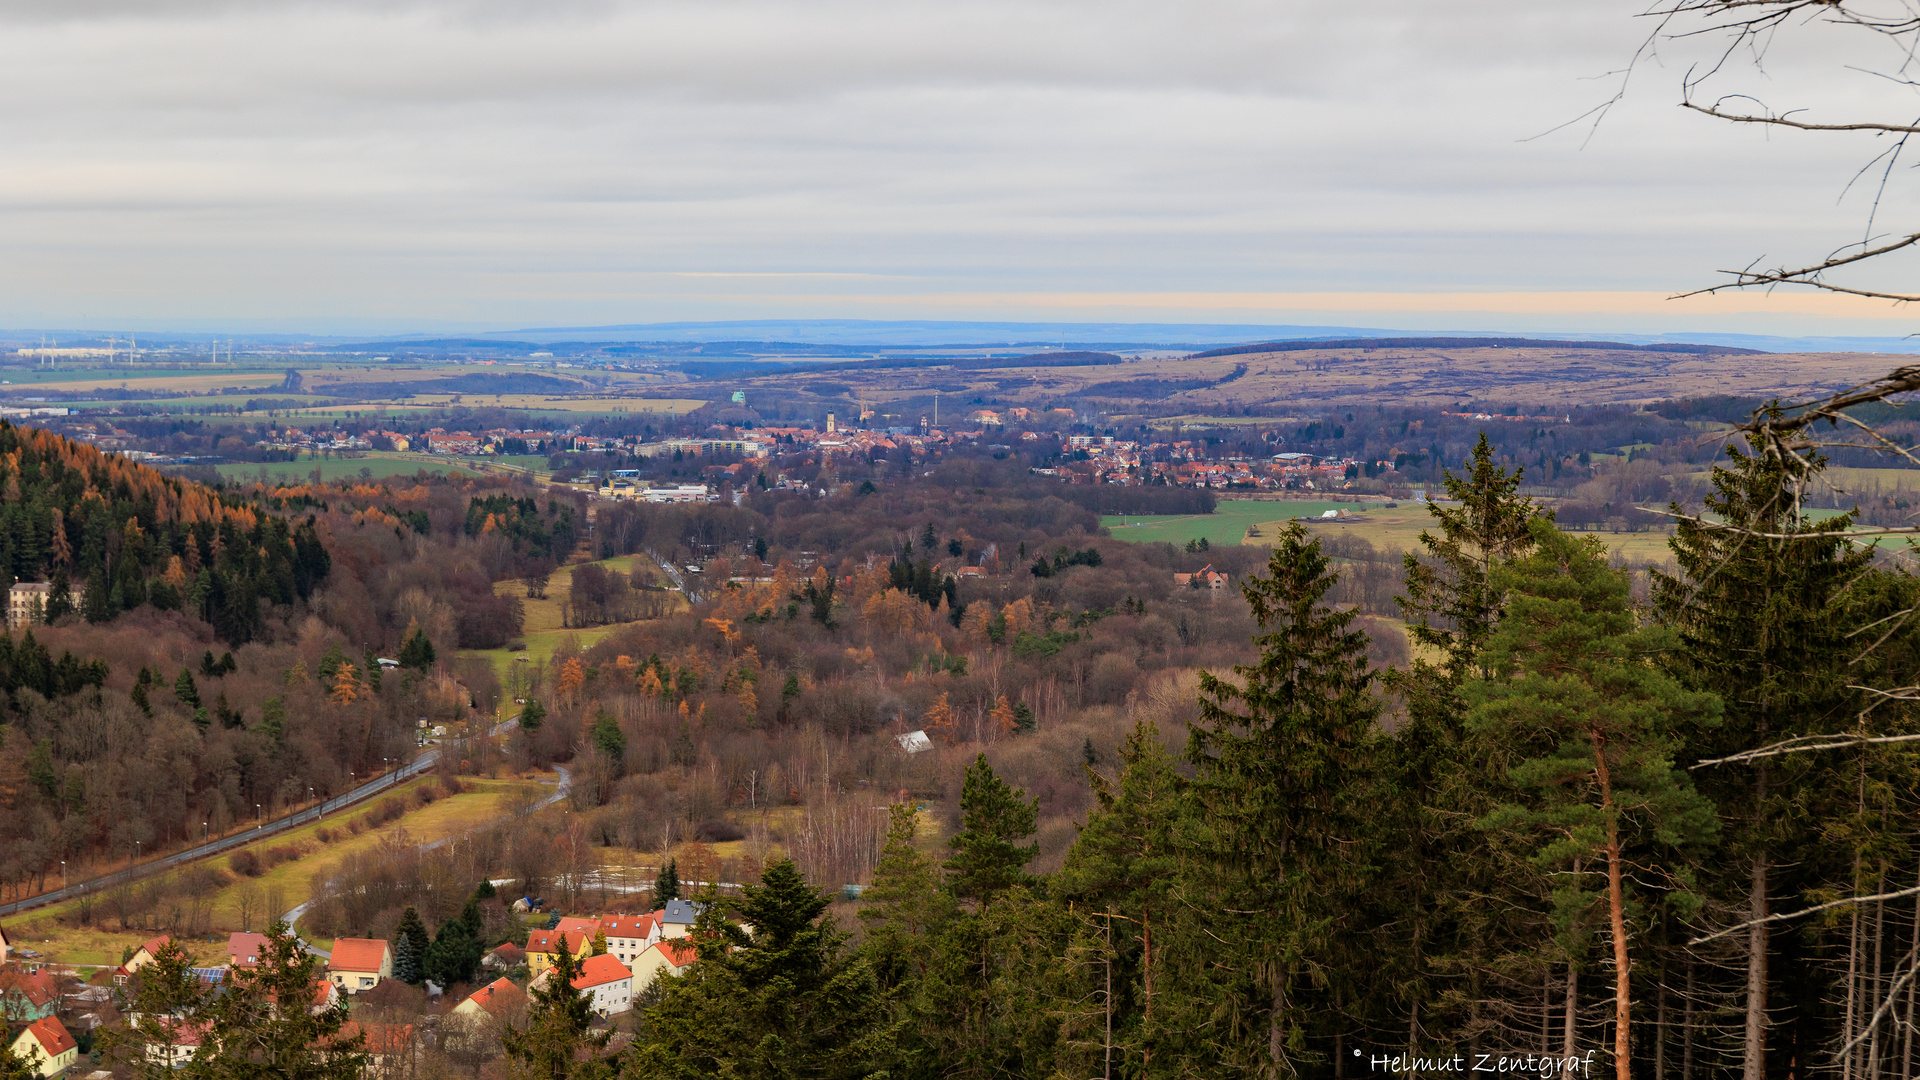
x=1686, y=1028
x=1572, y=1008
x=1616, y=919
x=1754, y=1062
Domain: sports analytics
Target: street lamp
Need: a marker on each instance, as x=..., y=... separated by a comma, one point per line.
x=206, y=831
x=259, y=817
x=63, y=873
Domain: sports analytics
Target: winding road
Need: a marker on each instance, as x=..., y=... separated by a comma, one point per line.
x=277, y=825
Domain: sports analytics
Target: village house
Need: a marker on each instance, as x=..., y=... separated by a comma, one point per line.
x=475, y=1024
x=47, y=1047
x=677, y=918
x=26, y=996
x=359, y=964
x=141, y=957
x=607, y=982
x=669, y=957
x=389, y=1047
x=544, y=945
x=244, y=950
x=1205, y=577
x=183, y=1040
x=630, y=935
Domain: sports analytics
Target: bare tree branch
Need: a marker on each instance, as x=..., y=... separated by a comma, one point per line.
x=1802, y=913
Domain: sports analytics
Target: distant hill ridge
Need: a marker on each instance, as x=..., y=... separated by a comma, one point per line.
x=1473, y=343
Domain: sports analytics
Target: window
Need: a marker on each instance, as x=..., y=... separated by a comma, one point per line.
x=366, y=982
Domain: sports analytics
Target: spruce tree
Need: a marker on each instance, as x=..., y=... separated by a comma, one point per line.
x=559, y=1019
x=452, y=956
x=532, y=715
x=1592, y=726
x=417, y=651
x=406, y=966
x=1125, y=878
x=903, y=907
x=608, y=738
x=1761, y=604
x=1282, y=759
x=789, y=1000
x=185, y=689
x=414, y=932
x=986, y=859
x=666, y=886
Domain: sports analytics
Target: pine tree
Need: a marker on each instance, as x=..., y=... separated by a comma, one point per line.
x=257, y=1036
x=414, y=932
x=15, y=1067
x=559, y=1018
x=666, y=886
x=169, y=996
x=789, y=1000
x=532, y=715
x=1282, y=759
x=986, y=859
x=273, y=723
x=1592, y=725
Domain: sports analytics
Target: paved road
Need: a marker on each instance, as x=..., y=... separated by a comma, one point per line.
x=278, y=825
x=565, y=786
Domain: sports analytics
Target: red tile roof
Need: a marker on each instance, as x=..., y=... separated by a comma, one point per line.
x=511, y=953
x=600, y=970
x=588, y=927
x=679, y=951
x=186, y=1034
x=630, y=926
x=152, y=945
x=499, y=996
x=357, y=954
x=381, y=1038
x=52, y=1036
x=548, y=941
x=38, y=989
x=244, y=950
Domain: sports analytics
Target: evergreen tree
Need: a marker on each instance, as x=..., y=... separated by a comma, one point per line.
x=209, y=668
x=97, y=603
x=532, y=715
x=1592, y=725
x=169, y=995
x=273, y=724
x=330, y=662
x=59, y=595
x=452, y=956
x=406, y=966
x=15, y=1067
x=599, y=945
x=186, y=689
x=608, y=738
x=1761, y=607
x=1124, y=876
x=789, y=1000
x=1282, y=761
x=417, y=651
x=372, y=668
x=254, y=1035
x=904, y=906
x=666, y=886
x=559, y=1018
x=986, y=860
x=414, y=933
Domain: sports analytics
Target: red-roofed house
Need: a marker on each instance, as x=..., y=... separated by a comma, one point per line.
x=389, y=1047
x=475, y=1024
x=671, y=956
x=630, y=935
x=505, y=958
x=141, y=957
x=360, y=963
x=544, y=945
x=588, y=927
x=183, y=1041
x=245, y=950
x=608, y=982
x=27, y=997
x=501, y=999
x=47, y=1046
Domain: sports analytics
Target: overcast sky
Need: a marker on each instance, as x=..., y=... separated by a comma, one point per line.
x=388, y=164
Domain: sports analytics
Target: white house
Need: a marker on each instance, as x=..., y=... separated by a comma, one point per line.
x=630, y=935
x=607, y=982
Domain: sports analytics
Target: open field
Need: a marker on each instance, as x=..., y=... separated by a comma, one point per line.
x=186, y=383
x=1226, y=525
x=548, y=403
x=379, y=463
x=1309, y=381
x=292, y=881
x=542, y=631
x=1401, y=528
x=1874, y=482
